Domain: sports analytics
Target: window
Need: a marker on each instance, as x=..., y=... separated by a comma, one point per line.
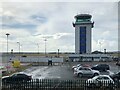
x=99, y=78
x=83, y=39
x=14, y=75
x=87, y=69
x=105, y=78
x=82, y=69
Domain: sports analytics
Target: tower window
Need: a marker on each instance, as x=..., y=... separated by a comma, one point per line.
x=82, y=39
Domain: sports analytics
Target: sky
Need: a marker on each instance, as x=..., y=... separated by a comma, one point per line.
x=30, y=23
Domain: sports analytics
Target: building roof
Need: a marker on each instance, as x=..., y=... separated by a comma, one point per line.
x=89, y=55
x=83, y=16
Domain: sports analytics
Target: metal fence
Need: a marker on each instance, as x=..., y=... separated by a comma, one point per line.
x=54, y=84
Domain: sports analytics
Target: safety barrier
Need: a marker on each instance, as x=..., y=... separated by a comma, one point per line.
x=56, y=84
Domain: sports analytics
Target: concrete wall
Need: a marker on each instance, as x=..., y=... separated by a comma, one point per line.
x=40, y=59
x=31, y=59
x=77, y=39
x=88, y=38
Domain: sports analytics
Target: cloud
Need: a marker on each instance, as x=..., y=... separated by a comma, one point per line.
x=33, y=21
x=59, y=1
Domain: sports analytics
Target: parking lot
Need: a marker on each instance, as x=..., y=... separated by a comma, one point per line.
x=63, y=71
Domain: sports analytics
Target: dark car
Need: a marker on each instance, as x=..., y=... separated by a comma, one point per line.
x=115, y=76
x=118, y=63
x=16, y=78
x=101, y=67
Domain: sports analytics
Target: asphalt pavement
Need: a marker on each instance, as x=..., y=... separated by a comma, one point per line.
x=63, y=71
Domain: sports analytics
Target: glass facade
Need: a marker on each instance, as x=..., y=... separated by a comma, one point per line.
x=82, y=40
x=82, y=20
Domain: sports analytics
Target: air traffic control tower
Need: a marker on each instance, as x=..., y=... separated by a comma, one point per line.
x=83, y=25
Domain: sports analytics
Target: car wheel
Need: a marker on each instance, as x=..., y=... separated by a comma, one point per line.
x=80, y=75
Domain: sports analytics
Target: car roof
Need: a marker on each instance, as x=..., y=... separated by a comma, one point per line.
x=102, y=64
x=104, y=75
x=84, y=67
x=118, y=72
x=20, y=73
x=101, y=76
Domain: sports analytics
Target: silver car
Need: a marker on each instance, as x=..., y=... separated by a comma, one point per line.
x=100, y=81
x=76, y=66
x=85, y=71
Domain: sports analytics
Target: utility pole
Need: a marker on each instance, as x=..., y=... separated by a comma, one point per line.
x=58, y=52
x=19, y=49
x=7, y=50
x=45, y=46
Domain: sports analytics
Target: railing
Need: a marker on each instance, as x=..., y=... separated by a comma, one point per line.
x=46, y=84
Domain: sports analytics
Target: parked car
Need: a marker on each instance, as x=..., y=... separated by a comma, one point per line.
x=101, y=67
x=3, y=69
x=79, y=66
x=118, y=63
x=115, y=76
x=101, y=81
x=16, y=77
x=75, y=66
x=85, y=71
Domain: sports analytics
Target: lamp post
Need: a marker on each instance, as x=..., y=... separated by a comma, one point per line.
x=104, y=51
x=100, y=50
x=45, y=39
x=58, y=52
x=45, y=45
x=19, y=49
x=38, y=52
x=7, y=49
x=11, y=54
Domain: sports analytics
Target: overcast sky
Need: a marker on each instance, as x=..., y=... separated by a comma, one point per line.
x=30, y=22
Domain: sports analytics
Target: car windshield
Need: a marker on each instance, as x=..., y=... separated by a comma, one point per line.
x=95, y=65
x=13, y=75
x=106, y=78
x=87, y=69
x=78, y=65
x=95, y=77
x=118, y=73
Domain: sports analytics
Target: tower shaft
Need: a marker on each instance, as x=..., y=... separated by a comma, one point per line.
x=83, y=27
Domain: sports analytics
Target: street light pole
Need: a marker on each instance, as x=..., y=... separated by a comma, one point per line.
x=100, y=50
x=19, y=49
x=38, y=52
x=58, y=52
x=45, y=46
x=45, y=39
x=7, y=49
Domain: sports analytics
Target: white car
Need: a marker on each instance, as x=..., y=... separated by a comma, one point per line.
x=79, y=66
x=3, y=69
x=75, y=66
x=100, y=81
x=85, y=71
